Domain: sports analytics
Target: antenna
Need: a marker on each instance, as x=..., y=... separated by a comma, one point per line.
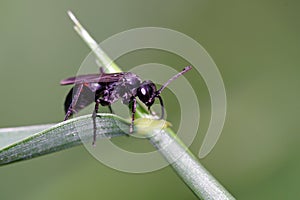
x=173, y=78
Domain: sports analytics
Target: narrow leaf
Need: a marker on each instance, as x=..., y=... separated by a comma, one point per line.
x=27, y=142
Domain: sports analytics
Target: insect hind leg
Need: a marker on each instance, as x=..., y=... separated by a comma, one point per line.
x=72, y=101
x=102, y=71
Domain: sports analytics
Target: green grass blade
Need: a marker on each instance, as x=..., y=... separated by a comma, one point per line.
x=187, y=166
x=9, y=136
x=33, y=141
x=199, y=180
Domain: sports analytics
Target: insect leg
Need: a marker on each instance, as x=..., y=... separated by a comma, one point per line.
x=150, y=111
x=162, y=107
x=133, y=109
x=110, y=109
x=74, y=101
x=94, y=120
x=102, y=70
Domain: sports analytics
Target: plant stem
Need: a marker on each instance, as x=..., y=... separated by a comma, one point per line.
x=187, y=166
x=200, y=181
x=100, y=54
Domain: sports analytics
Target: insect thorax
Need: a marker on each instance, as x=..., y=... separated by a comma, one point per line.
x=125, y=88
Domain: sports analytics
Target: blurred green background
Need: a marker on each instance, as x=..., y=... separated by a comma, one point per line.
x=256, y=46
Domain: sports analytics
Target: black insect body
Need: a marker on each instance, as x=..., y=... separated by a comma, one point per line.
x=105, y=89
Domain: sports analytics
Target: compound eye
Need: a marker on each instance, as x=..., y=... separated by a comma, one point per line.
x=143, y=91
x=146, y=92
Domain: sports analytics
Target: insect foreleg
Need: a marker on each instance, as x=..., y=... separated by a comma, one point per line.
x=162, y=107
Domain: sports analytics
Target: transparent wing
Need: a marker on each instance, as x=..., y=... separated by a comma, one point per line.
x=93, y=78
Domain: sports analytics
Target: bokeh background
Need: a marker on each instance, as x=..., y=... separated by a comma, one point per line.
x=254, y=43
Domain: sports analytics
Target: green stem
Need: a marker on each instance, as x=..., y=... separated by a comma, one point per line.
x=187, y=166
x=200, y=181
x=100, y=54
